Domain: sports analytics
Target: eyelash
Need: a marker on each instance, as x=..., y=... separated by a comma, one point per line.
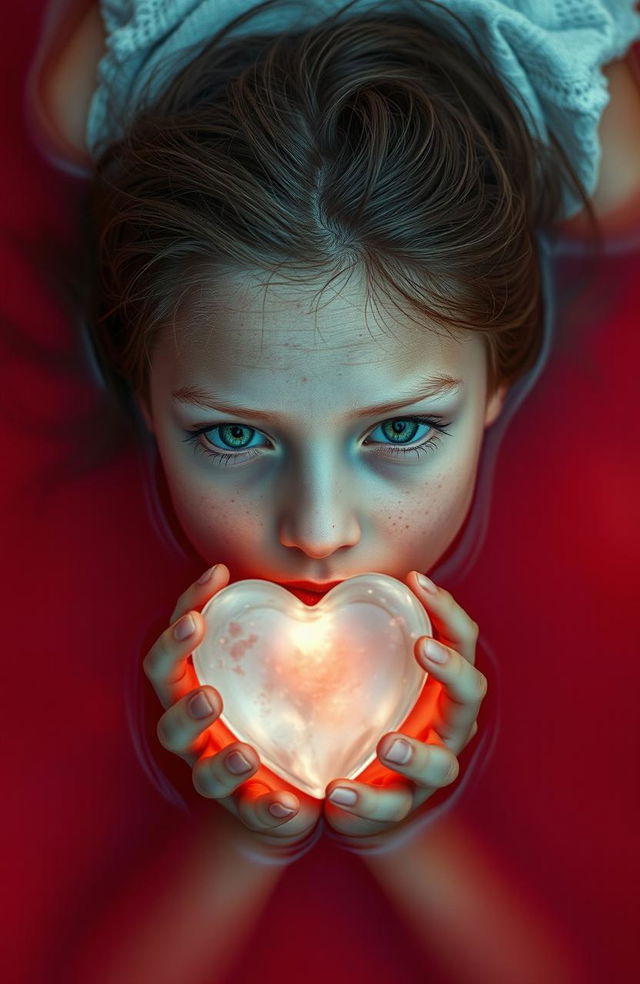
x=426, y=447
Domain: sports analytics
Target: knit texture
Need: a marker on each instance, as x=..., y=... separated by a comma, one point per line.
x=550, y=53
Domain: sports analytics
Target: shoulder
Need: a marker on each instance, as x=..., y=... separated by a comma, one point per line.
x=67, y=77
x=616, y=199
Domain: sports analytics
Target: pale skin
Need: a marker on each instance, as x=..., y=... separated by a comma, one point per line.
x=64, y=87
x=341, y=527
x=281, y=510
x=433, y=765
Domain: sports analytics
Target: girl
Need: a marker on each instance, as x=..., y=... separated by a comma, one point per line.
x=372, y=172
x=379, y=164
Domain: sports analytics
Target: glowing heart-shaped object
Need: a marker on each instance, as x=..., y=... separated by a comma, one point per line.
x=314, y=688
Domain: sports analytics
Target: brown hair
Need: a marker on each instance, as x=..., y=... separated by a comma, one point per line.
x=373, y=140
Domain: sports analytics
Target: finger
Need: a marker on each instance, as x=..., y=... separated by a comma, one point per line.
x=182, y=729
x=217, y=776
x=430, y=765
x=472, y=733
x=263, y=809
x=254, y=801
x=166, y=664
x=224, y=777
x=463, y=690
x=198, y=593
x=451, y=623
x=378, y=804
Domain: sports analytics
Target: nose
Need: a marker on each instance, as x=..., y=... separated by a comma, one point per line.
x=318, y=514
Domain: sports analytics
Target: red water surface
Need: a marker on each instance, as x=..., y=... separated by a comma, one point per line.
x=88, y=584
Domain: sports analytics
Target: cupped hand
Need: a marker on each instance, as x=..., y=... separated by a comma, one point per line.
x=233, y=775
x=420, y=768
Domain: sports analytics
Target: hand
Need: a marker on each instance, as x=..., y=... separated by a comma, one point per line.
x=246, y=789
x=456, y=689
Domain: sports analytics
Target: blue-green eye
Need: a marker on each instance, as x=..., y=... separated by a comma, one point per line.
x=401, y=431
x=236, y=438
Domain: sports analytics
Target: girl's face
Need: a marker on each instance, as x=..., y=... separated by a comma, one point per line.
x=311, y=464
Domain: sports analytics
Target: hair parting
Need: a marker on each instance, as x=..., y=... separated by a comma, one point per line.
x=372, y=140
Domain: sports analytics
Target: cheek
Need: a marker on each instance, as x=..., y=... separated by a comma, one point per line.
x=451, y=501
x=434, y=510
x=427, y=518
x=452, y=496
x=212, y=518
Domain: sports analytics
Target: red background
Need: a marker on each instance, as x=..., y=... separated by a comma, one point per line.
x=89, y=584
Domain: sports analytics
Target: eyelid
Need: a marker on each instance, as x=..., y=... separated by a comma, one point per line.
x=435, y=421
x=388, y=452
x=424, y=417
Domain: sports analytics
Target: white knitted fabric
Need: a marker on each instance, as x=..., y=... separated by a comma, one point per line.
x=549, y=52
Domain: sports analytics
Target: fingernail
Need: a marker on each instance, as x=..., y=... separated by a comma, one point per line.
x=280, y=811
x=185, y=627
x=425, y=583
x=434, y=651
x=201, y=706
x=236, y=763
x=400, y=752
x=207, y=575
x=343, y=797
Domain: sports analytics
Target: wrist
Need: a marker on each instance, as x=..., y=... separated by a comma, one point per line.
x=268, y=850
x=394, y=837
x=368, y=844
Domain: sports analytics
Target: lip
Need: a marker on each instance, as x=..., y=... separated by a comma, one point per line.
x=317, y=587
x=309, y=592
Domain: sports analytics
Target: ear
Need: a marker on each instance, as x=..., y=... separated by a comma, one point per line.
x=495, y=403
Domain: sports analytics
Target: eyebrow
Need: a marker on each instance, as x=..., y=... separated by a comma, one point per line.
x=430, y=385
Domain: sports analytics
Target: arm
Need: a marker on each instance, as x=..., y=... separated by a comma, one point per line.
x=467, y=916
x=64, y=78
x=617, y=196
x=185, y=915
x=191, y=905
x=619, y=131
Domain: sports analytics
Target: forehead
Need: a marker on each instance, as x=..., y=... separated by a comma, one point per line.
x=261, y=333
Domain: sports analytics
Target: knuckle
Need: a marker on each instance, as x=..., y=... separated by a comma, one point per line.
x=205, y=781
x=481, y=686
x=450, y=770
x=149, y=663
x=443, y=766
x=402, y=811
x=165, y=732
x=460, y=668
x=157, y=660
x=474, y=630
x=181, y=606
